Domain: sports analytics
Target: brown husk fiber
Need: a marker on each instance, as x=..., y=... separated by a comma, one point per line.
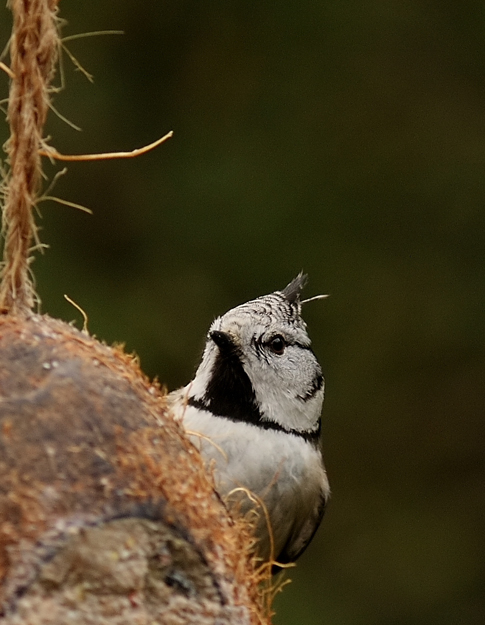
x=106, y=512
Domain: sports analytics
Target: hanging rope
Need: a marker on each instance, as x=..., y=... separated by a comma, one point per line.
x=33, y=52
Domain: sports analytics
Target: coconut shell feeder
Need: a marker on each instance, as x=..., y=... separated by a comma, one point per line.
x=107, y=515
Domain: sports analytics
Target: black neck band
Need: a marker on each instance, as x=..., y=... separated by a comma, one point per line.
x=312, y=437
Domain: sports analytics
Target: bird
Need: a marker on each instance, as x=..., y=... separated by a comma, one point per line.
x=253, y=410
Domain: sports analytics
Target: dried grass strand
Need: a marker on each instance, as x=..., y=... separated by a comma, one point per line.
x=52, y=153
x=83, y=313
x=77, y=64
x=7, y=70
x=59, y=200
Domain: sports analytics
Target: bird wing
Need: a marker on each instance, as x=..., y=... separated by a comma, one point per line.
x=299, y=540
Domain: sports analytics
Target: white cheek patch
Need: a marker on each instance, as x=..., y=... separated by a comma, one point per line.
x=288, y=388
x=198, y=386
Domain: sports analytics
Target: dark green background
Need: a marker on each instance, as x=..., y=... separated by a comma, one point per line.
x=341, y=137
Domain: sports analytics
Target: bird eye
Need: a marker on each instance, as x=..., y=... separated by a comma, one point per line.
x=277, y=344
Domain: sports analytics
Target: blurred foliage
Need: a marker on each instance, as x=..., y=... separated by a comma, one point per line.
x=348, y=139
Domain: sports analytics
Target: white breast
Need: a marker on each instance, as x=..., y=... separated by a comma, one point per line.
x=284, y=471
